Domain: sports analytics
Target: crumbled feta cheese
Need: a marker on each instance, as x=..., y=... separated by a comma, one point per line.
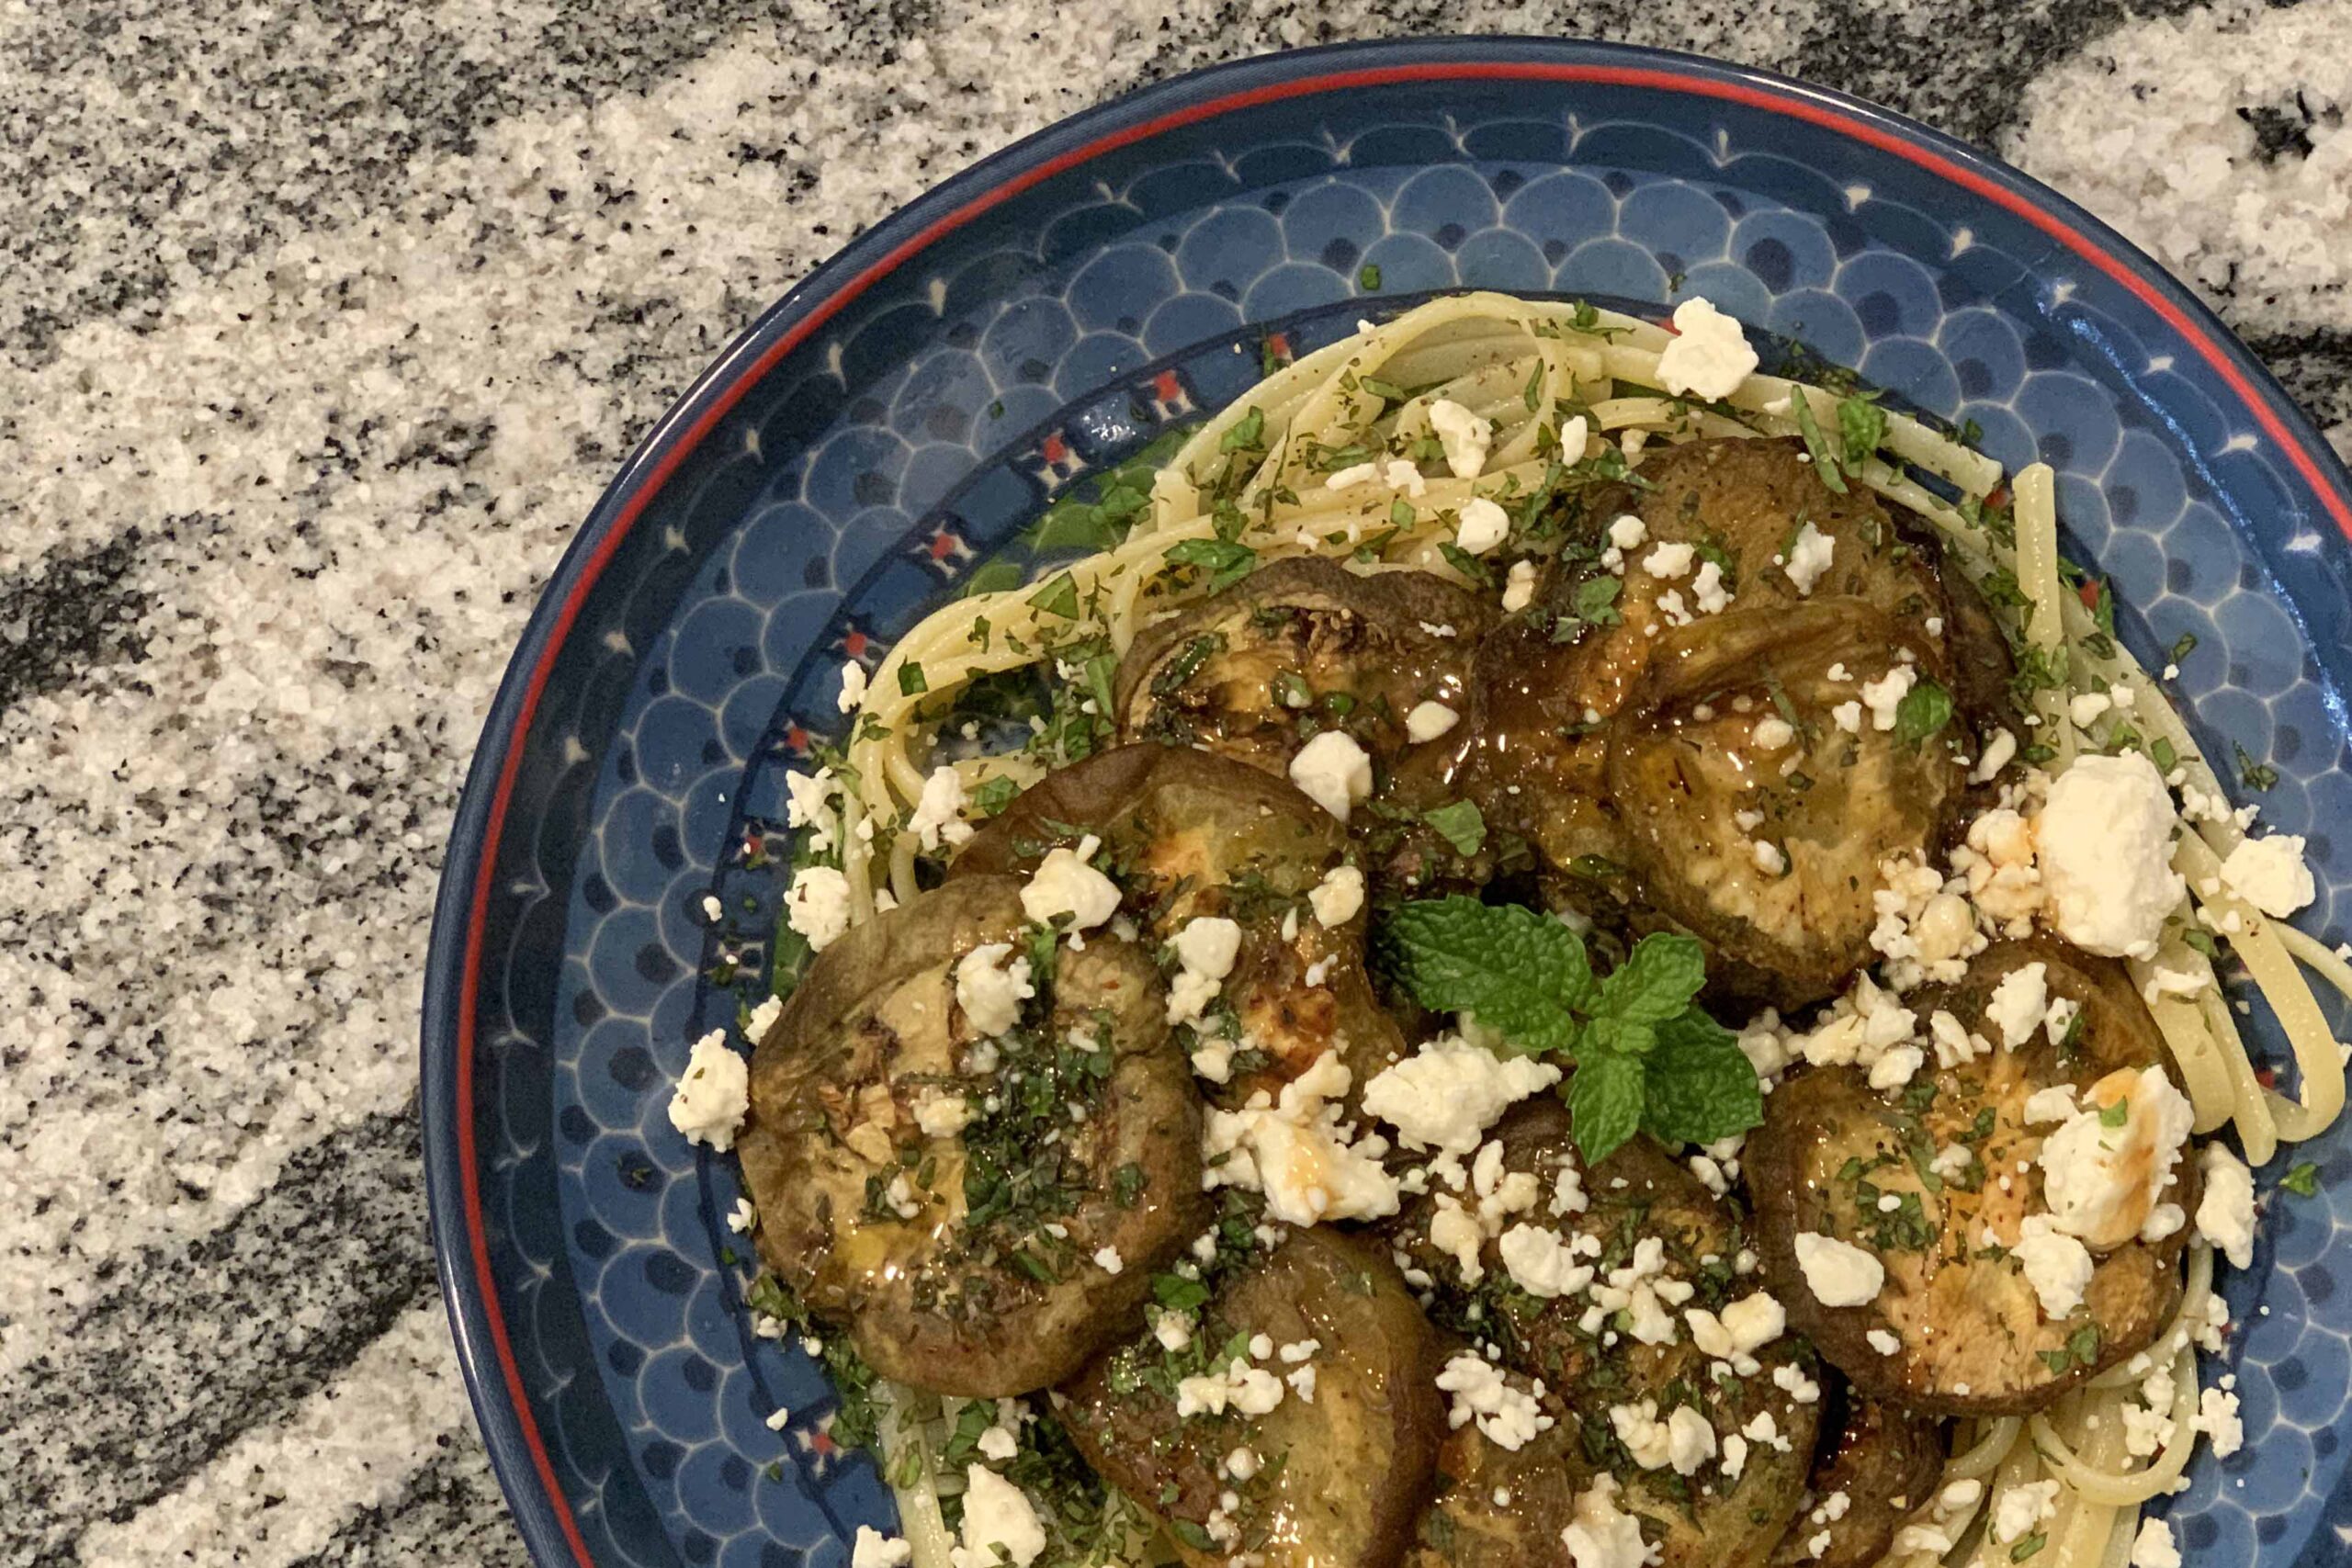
x=2017, y=1509
x=2225, y=1212
x=1333, y=771
x=1295, y=1152
x=1430, y=720
x=1448, y=1093
x=713, y=1094
x=2105, y=836
x=1508, y=1417
x=1772, y=732
x=1481, y=526
x=1403, y=474
x=1602, y=1534
x=1707, y=589
x=1541, y=1263
x=991, y=990
x=2269, y=873
x=2056, y=1265
x=1884, y=1343
x=1463, y=435
x=1670, y=561
x=1999, y=751
x=1884, y=695
x=941, y=1115
x=1339, y=897
x=1809, y=557
x=2054, y=1103
x=1709, y=356
x=1838, y=1273
x=2019, y=1003
x=939, y=814
x=874, y=1550
x=1065, y=884
x=1205, y=950
x=1769, y=858
x=853, y=694
x=2102, y=1183
x=817, y=906
x=1237, y=1385
x=742, y=1217
x=1690, y=1441
x=1519, y=587
x=997, y=1516
x=1353, y=475
x=2217, y=1417
x=997, y=1443
x=2154, y=1547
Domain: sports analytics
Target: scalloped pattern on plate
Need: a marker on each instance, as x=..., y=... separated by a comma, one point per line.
x=911, y=445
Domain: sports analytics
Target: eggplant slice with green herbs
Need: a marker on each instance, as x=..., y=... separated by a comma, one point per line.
x=1189, y=834
x=1304, y=646
x=1877, y=1465
x=1570, y=694
x=1934, y=1182
x=953, y=1196
x=1330, y=1474
x=1675, y=1245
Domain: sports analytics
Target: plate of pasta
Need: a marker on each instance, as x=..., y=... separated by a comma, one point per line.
x=1479, y=802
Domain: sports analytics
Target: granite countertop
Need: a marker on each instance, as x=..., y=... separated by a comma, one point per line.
x=321, y=327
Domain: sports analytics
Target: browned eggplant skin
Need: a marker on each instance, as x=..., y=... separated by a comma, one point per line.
x=1886, y=1462
x=1738, y=1525
x=1360, y=652
x=1685, y=759
x=1989, y=1352
x=1385, y=641
x=1344, y=1475
x=929, y=1301
x=1193, y=834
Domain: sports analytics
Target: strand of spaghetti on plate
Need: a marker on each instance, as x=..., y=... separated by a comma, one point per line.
x=1302, y=465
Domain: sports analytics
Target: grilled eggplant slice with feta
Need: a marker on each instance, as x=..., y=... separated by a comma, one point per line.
x=947, y=1187
x=1941, y=1184
x=1190, y=836
x=1305, y=647
x=1884, y=1463
x=1758, y=793
x=1298, y=648
x=1313, y=1409
x=1618, y=616
x=1604, y=1327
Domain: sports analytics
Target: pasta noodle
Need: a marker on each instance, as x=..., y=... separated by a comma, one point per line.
x=1299, y=465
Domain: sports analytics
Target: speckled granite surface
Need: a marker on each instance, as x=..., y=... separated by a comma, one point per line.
x=321, y=326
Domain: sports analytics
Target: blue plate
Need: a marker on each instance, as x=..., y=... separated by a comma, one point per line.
x=890, y=431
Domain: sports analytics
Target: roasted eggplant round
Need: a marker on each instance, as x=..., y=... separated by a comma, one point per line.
x=1937, y=1183
x=1660, y=1245
x=1332, y=1472
x=1190, y=836
x=958, y=1198
x=1884, y=1463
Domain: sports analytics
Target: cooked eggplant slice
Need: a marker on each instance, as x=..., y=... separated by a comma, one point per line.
x=1759, y=793
x=1937, y=1183
x=1657, y=1244
x=1608, y=612
x=1322, y=1451
x=1884, y=1462
x=1193, y=835
x=951, y=1195
x=1305, y=647
x=1300, y=647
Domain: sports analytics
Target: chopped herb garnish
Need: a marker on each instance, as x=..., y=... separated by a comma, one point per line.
x=1825, y=459
x=2303, y=1181
x=912, y=680
x=2254, y=775
x=1367, y=278
x=1460, y=825
x=1057, y=597
x=1227, y=563
x=1925, y=709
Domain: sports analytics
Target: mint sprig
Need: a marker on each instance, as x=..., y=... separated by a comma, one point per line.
x=1646, y=1056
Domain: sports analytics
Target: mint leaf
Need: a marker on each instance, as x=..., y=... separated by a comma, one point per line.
x=1521, y=972
x=1862, y=426
x=1825, y=459
x=1596, y=600
x=1461, y=824
x=1227, y=563
x=1925, y=709
x=1657, y=981
x=1604, y=1096
x=1700, y=1085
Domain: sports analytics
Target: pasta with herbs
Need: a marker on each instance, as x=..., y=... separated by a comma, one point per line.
x=1630, y=915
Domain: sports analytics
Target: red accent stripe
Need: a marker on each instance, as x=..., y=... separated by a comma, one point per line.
x=1786, y=101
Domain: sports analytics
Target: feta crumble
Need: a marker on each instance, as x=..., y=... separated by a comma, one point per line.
x=713, y=1094
x=1710, y=355
x=1333, y=771
x=1465, y=438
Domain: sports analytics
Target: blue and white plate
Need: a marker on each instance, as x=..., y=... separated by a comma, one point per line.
x=891, y=430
